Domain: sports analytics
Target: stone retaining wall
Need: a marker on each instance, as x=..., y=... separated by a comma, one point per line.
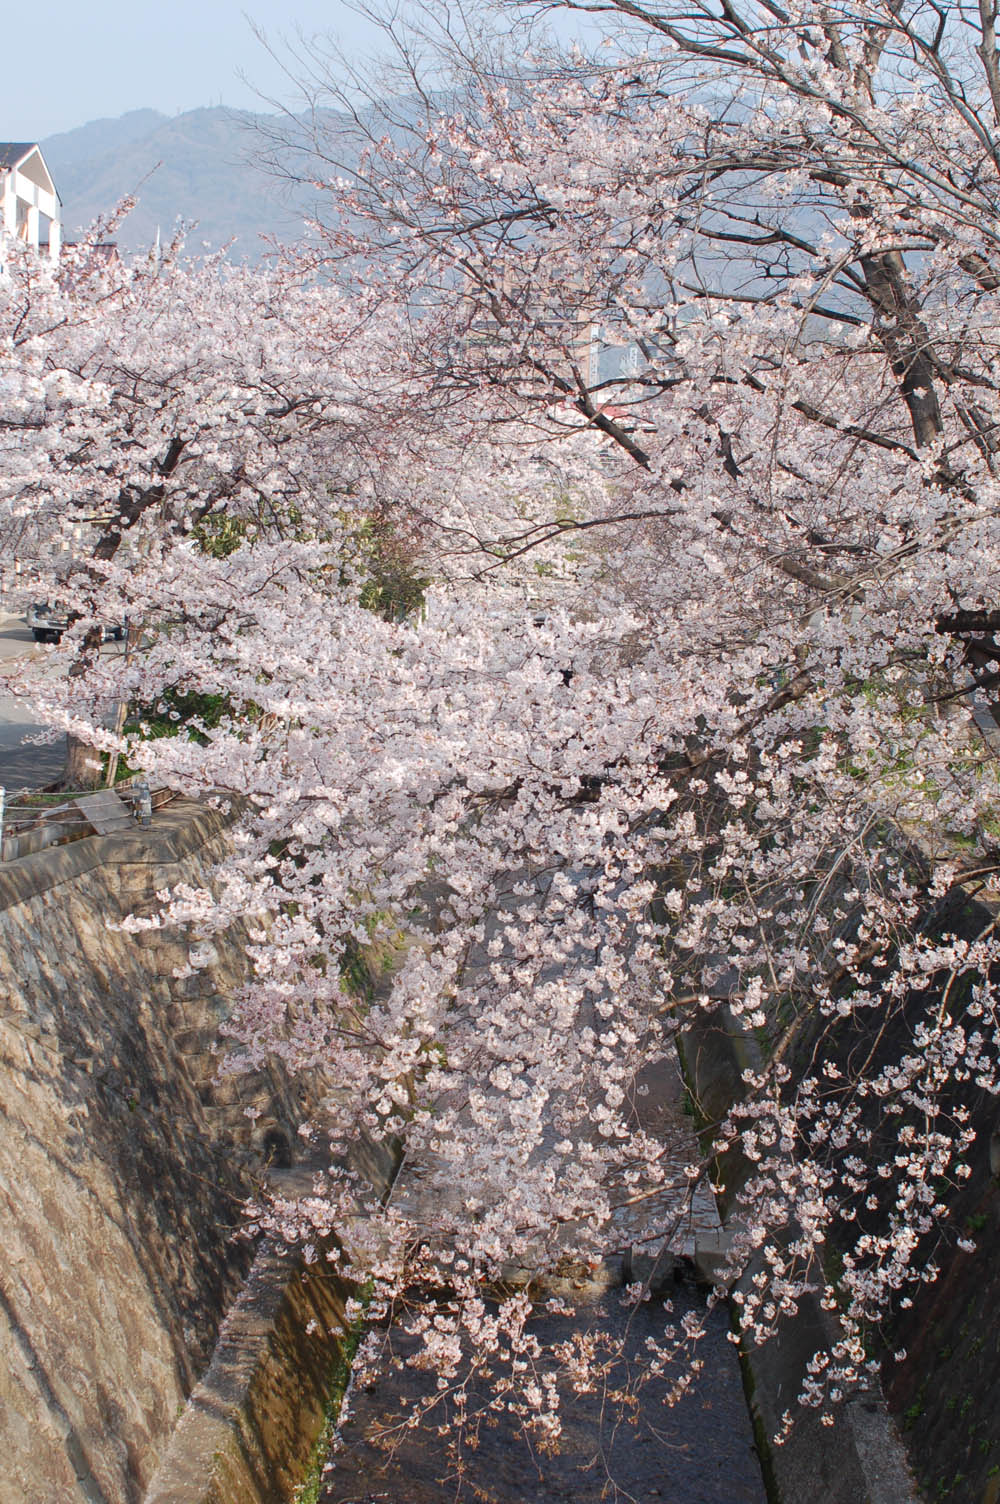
x=251, y=1429
x=123, y=1165
x=858, y=1460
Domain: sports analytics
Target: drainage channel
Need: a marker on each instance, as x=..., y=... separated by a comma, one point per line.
x=697, y=1451
x=613, y=1449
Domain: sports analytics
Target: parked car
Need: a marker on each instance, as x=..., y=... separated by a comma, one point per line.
x=48, y=623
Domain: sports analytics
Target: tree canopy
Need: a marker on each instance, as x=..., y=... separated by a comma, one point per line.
x=660, y=385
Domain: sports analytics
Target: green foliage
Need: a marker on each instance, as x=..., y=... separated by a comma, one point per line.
x=220, y=534
x=309, y=1491
x=174, y=711
x=566, y=509
x=912, y=1415
x=355, y=971
x=390, y=584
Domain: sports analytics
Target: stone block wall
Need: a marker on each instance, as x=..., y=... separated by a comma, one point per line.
x=123, y=1165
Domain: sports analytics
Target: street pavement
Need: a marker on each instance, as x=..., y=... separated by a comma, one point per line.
x=22, y=764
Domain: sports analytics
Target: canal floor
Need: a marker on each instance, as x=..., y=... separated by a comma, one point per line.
x=698, y=1451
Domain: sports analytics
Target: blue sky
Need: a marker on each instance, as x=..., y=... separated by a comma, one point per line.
x=103, y=57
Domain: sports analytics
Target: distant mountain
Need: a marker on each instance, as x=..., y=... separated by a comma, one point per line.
x=196, y=168
x=101, y=136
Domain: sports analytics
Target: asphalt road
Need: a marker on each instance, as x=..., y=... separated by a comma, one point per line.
x=23, y=765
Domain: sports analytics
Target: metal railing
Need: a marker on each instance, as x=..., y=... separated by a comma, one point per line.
x=26, y=828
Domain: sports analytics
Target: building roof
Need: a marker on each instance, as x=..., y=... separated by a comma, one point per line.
x=12, y=152
x=17, y=155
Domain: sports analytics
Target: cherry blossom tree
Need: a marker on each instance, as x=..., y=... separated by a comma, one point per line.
x=674, y=372
x=784, y=222
x=156, y=402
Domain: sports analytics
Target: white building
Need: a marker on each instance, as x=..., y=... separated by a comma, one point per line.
x=29, y=203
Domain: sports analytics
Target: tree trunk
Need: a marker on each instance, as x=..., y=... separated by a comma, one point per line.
x=84, y=765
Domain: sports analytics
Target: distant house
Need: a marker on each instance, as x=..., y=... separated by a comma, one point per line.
x=29, y=203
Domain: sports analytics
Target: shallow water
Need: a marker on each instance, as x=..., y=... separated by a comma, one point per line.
x=698, y=1452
